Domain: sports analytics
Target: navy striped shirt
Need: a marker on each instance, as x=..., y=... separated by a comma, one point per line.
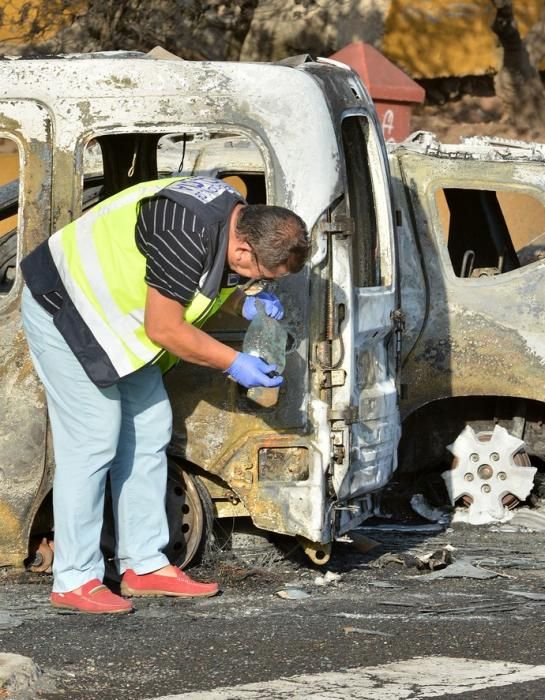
x=172, y=240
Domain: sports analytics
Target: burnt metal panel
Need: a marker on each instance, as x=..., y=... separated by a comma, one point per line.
x=23, y=428
x=474, y=337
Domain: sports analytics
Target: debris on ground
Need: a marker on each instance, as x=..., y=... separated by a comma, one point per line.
x=292, y=594
x=327, y=579
x=361, y=543
x=404, y=559
x=421, y=506
x=465, y=515
x=485, y=607
x=462, y=568
x=436, y=559
x=235, y=573
x=532, y=519
x=521, y=519
x=421, y=528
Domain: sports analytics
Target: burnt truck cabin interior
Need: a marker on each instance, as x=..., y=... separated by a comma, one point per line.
x=489, y=232
x=119, y=161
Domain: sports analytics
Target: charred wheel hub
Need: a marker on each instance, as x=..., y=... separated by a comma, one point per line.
x=491, y=473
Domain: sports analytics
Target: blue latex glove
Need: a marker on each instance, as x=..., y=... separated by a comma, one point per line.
x=273, y=306
x=251, y=371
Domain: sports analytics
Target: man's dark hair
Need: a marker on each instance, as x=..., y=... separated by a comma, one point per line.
x=277, y=236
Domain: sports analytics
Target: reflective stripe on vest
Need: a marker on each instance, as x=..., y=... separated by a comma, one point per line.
x=104, y=274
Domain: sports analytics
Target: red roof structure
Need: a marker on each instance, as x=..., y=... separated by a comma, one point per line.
x=391, y=89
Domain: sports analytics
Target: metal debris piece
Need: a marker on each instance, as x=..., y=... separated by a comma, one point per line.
x=361, y=542
x=486, y=475
x=435, y=515
x=476, y=609
x=527, y=518
x=437, y=559
x=292, y=594
x=384, y=584
x=462, y=568
x=433, y=560
x=397, y=603
x=405, y=559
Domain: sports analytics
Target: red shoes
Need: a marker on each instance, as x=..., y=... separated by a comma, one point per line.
x=94, y=598
x=153, y=584
x=97, y=599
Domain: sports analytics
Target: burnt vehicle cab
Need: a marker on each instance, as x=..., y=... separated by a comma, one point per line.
x=301, y=135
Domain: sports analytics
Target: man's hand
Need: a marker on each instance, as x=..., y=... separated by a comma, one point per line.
x=252, y=371
x=272, y=304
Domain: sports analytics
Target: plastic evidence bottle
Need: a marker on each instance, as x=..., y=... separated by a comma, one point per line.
x=265, y=338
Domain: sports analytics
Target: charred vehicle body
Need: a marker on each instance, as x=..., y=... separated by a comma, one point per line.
x=472, y=252
x=425, y=283
x=83, y=128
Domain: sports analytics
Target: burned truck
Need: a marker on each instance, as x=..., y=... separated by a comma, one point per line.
x=472, y=253
x=85, y=127
x=417, y=296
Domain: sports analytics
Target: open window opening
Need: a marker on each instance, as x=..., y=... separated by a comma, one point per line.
x=361, y=203
x=490, y=232
x=113, y=162
x=10, y=168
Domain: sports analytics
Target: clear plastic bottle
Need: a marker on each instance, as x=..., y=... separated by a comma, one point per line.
x=265, y=338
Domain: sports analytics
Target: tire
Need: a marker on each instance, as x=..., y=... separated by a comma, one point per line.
x=190, y=515
x=8, y=260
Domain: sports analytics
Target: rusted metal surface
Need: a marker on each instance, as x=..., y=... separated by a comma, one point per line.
x=23, y=477
x=231, y=450
x=283, y=464
x=467, y=336
x=216, y=428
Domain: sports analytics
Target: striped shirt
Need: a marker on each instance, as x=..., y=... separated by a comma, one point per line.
x=172, y=240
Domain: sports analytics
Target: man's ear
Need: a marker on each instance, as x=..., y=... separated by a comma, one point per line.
x=241, y=249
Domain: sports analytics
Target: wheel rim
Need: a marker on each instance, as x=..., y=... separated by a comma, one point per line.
x=490, y=474
x=185, y=516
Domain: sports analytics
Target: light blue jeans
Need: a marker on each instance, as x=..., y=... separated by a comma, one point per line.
x=123, y=429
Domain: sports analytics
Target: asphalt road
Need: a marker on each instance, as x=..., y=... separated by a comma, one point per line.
x=381, y=611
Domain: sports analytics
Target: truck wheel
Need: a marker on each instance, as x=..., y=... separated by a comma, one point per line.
x=8, y=260
x=190, y=515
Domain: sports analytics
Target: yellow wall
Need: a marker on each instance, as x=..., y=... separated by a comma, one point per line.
x=439, y=38
x=24, y=21
x=9, y=170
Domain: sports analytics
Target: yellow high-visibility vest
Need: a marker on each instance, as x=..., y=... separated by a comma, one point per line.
x=103, y=272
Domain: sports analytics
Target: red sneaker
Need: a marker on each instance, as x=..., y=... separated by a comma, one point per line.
x=180, y=585
x=94, y=598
